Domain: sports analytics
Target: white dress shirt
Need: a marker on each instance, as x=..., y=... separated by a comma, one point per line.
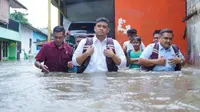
x=98, y=59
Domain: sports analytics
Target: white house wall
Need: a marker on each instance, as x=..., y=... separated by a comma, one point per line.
x=26, y=35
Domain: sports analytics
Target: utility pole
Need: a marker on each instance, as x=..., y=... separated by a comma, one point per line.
x=58, y=13
x=49, y=20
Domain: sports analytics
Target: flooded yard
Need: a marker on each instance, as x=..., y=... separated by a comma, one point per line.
x=23, y=88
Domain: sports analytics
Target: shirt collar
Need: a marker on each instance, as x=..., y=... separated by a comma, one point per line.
x=95, y=39
x=52, y=44
x=162, y=48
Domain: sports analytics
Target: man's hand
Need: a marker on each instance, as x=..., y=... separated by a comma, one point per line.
x=175, y=61
x=135, y=61
x=80, y=59
x=161, y=61
x=70, y=65
x=44, y=68
x=90, y=50
x=109, y=52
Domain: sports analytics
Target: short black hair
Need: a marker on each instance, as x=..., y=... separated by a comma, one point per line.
x=80, y=36
x=166, y=30
x=156, y=32
x=137, y=38
x=59, y=29
x=102, y=19
x=132, y=31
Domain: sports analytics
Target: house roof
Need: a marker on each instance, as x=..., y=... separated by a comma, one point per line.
x=34, y=29
x=16, y=4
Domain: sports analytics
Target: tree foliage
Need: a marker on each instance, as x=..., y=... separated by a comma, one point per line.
x=20, y=17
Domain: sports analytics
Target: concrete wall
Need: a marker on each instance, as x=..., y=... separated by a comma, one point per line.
x=26, y=35
x=193, y=30
x=11, y=37
x=149, y=15
x=9, y=34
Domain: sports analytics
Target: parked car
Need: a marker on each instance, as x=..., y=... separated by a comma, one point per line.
x=79, y=27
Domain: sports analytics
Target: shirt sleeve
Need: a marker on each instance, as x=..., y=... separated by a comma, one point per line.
x=41, y=54
x=142, y=46
x=78, y=52
x=120, y=53
x=181, y=55
x=147, y=51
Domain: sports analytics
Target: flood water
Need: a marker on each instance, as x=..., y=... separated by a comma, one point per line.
x=23, y=88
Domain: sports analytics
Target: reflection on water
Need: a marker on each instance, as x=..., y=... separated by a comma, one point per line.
x=24, y=89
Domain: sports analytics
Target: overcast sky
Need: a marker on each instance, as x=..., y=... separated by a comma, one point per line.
x=38, y=13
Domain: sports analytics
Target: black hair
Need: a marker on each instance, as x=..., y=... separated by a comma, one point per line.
x=59, y=29
x=81, y=36
x=102, y=19
x=137, y=39
x=156, y=32
x=132, y=31
x=166, y=31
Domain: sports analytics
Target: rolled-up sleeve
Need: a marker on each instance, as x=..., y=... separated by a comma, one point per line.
x=120, y=53
x=147, y=51
x=78, y=52
x=142, y=46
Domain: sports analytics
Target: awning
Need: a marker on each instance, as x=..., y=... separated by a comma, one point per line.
x=16, y=4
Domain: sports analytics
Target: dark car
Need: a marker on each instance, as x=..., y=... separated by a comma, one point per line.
x=80, y=27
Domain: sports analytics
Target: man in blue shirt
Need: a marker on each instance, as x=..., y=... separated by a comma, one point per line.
x=166, y=57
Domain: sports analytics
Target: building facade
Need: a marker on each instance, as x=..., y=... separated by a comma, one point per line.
x=9, y=36
x=193, y=31
x=29, y=37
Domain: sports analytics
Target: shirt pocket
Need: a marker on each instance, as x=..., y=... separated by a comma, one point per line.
x=66, y=56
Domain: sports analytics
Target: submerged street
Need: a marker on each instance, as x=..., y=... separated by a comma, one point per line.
x=23, y=88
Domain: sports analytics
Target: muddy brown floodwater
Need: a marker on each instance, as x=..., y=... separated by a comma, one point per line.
x=23, y=88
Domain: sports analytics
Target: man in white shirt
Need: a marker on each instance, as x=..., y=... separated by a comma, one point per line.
x=98, y=53
x=131, y=33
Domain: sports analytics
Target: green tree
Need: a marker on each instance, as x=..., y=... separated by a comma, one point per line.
x=20, y=17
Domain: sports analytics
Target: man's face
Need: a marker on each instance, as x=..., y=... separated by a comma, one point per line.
x=166, y=40
x=101, y=28
x=156, y=37
x=59, y=38
x=131, y=36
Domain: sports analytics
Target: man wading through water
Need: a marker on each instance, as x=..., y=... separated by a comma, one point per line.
x=163, y=55
x=100, y=53
x=56, y=55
